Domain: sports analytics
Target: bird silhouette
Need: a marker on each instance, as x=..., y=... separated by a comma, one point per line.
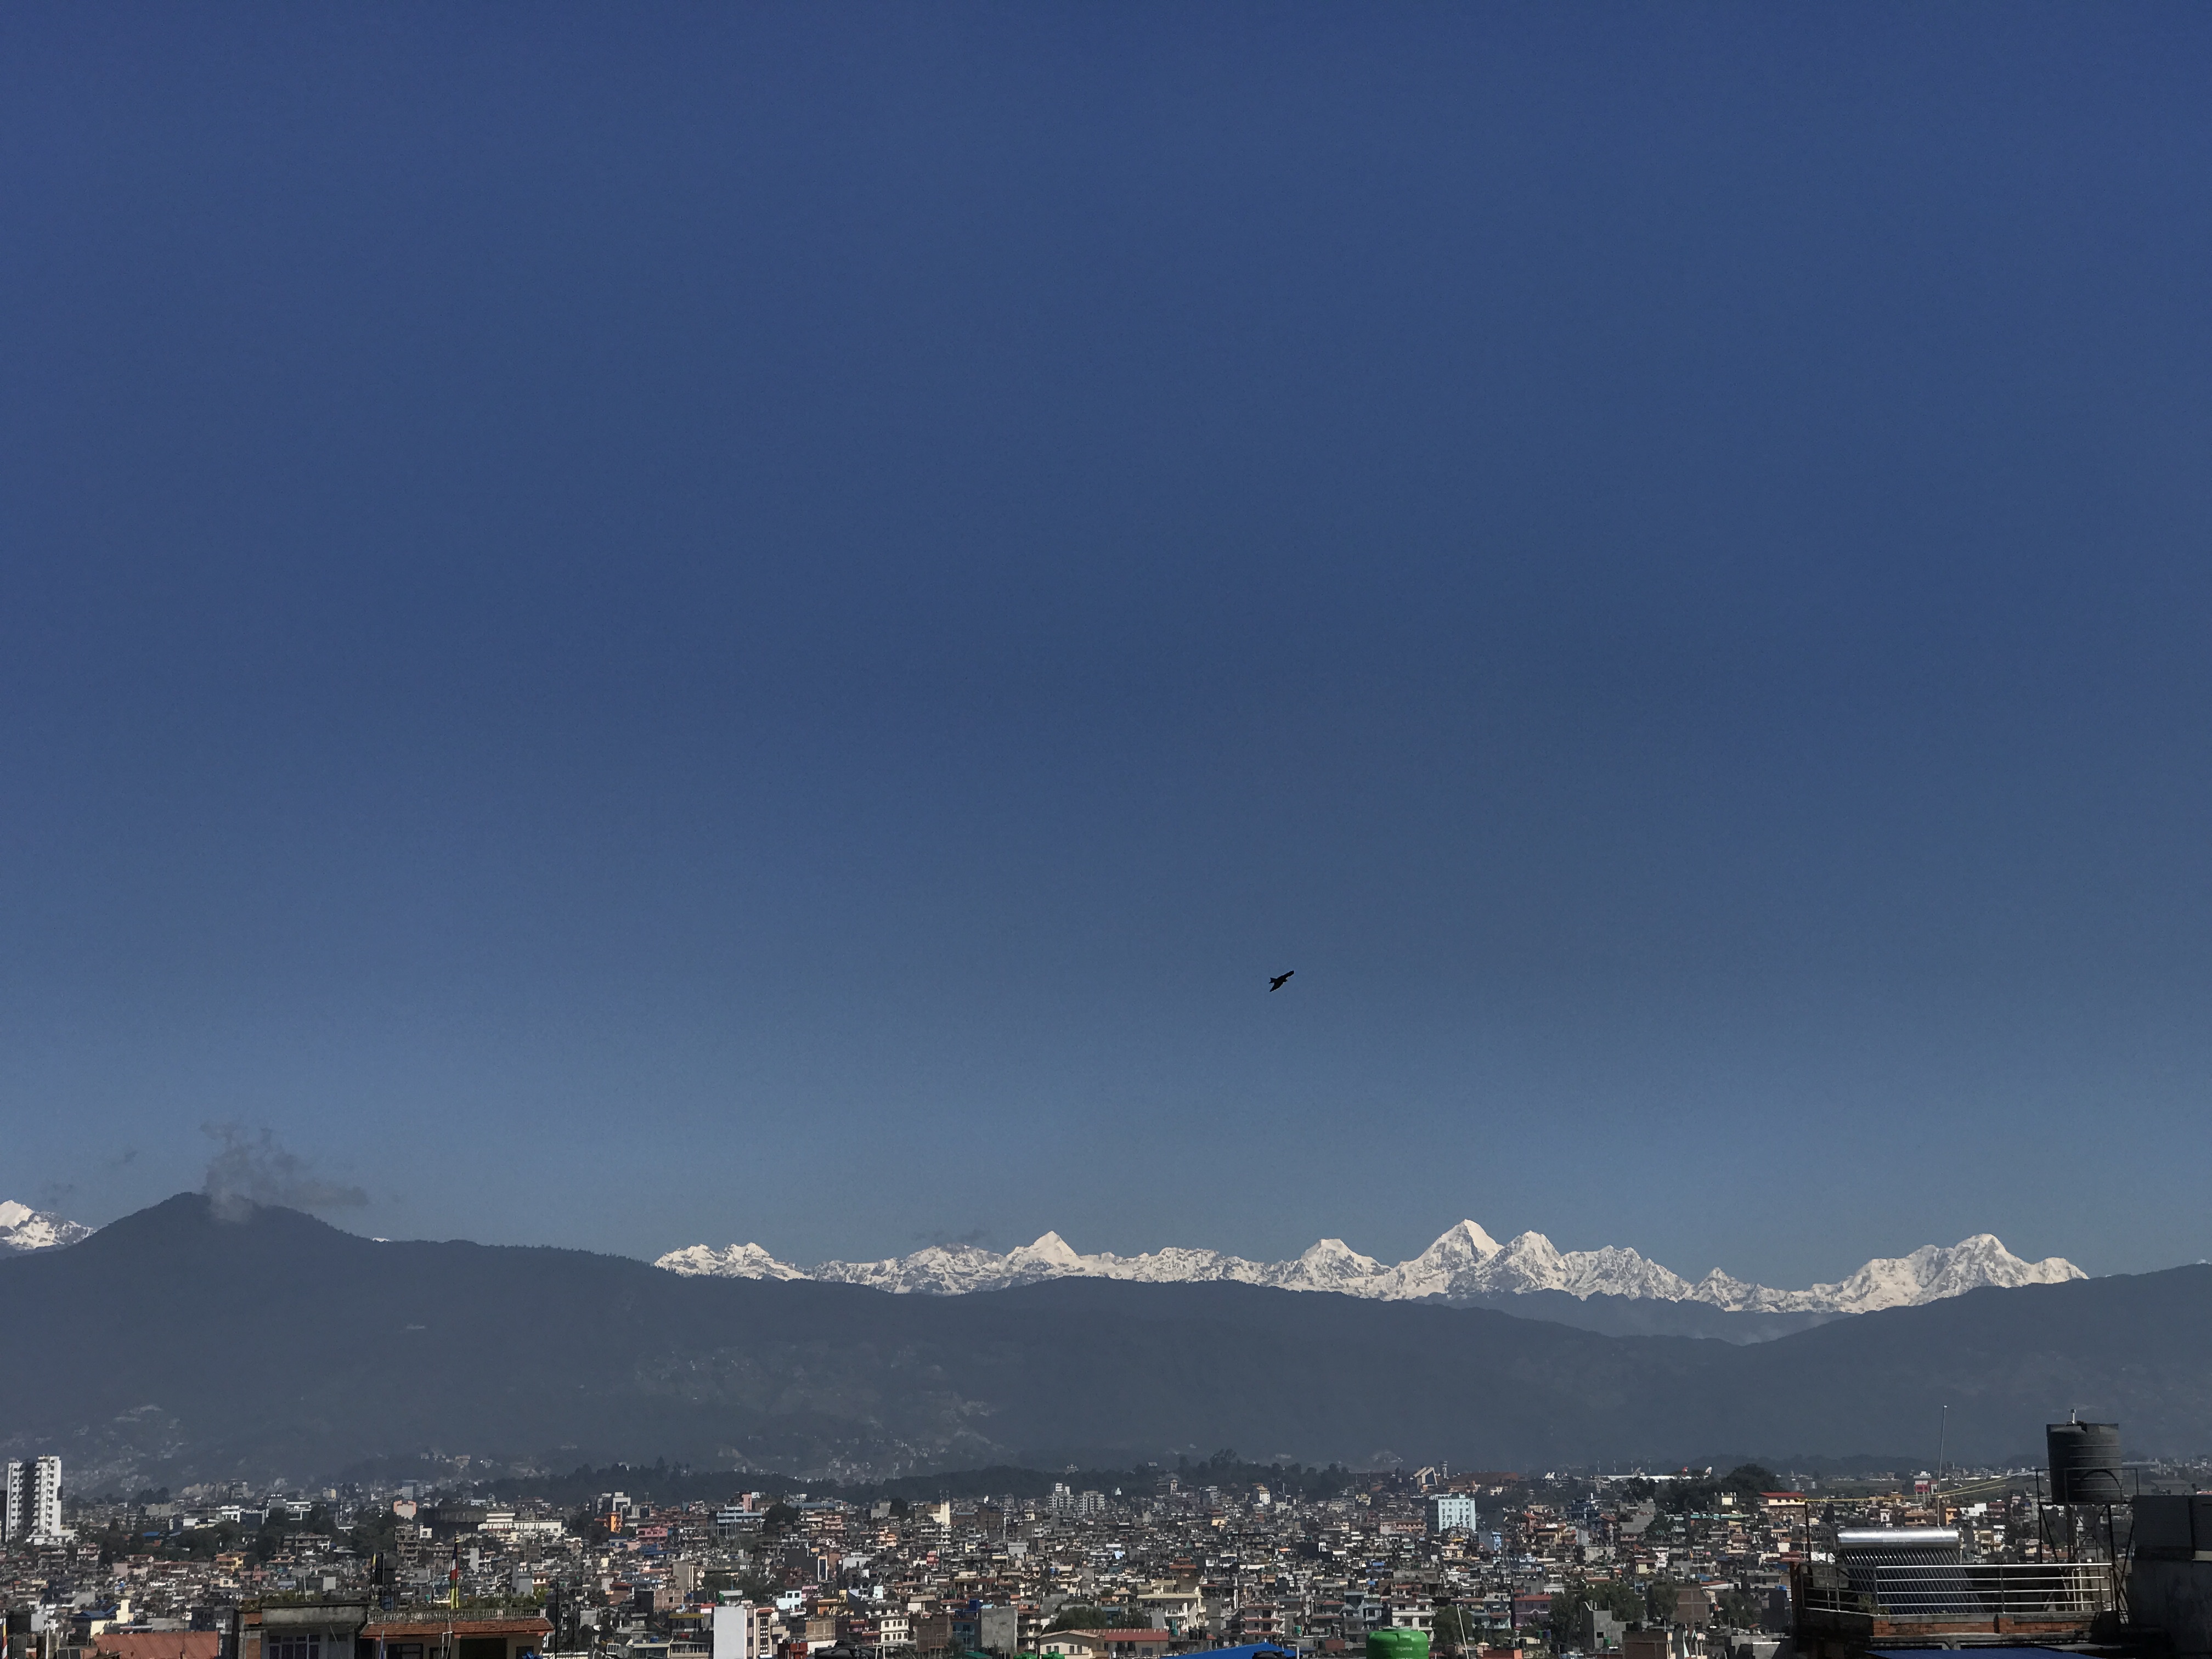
x=1276, y=983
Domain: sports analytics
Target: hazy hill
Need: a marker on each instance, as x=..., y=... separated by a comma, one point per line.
x=176, y=1341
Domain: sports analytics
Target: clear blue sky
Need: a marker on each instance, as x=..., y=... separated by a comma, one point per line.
x=636, y=625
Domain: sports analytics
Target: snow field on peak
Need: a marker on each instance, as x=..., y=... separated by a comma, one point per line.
x=1465, y=1263
x=22, y=1228
x=734, y=1261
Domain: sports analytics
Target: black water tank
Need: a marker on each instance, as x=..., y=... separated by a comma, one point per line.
x=2085, y=1462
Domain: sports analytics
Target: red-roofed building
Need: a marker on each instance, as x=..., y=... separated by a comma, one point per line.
x=159, y=1643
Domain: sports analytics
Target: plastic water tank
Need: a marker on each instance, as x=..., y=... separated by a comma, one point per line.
x=2085, y=1462
x=1398, y=1644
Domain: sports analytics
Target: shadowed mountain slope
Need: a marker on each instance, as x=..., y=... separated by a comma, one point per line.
x=274, y=1344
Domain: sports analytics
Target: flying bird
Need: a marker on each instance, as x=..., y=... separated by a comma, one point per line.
x=1276, y=983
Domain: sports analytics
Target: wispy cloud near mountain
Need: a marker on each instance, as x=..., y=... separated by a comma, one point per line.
x=250, y=1167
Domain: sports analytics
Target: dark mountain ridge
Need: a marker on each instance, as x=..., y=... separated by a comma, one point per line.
x=1644, y=1315
x=179, y=1342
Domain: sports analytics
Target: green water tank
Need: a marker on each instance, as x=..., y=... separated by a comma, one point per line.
x=1398, y=1644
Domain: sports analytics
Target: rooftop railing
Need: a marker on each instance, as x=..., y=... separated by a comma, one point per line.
x=2024, y=1593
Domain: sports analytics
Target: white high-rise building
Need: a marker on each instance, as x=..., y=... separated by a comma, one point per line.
x=741, y=1630
x=1448, y=1513
x=46, y=1499
x=35, y=1498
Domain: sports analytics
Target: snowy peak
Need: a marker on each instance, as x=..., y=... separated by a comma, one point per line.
x=735, y=1262
x=1178, y=1266
x=1465, y=1264
x=1614, y=1271
x=1050, y=1254
x=1930, y=1273
x=22, y=1228
x=1462, y=1239
x=1330, y=1265
x=1455, y=1265
x=1529, y=1261
x=936, y=1270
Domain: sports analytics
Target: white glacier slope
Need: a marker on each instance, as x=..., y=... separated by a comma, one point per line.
x=22, y=1228
x=1465, y=1263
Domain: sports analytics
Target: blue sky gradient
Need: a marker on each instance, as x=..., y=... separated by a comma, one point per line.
x=631, y=626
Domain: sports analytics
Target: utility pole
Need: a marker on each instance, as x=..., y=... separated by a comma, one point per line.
x=1936, y=1487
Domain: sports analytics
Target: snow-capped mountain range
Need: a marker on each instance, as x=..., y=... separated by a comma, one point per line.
x=22, y=1228
x=1466, y=1264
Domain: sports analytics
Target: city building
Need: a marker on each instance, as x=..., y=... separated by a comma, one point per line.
x=35, y=1498
x=1452, y=1513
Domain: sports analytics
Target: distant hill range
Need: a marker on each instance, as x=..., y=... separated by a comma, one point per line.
x=177, y=1344
x=1465, y=1266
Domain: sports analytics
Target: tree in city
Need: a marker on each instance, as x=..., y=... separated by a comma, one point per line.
x=1749, y=1480
x=1737, y=1609
x=1462, y=1627
x=1085, y=1615
x=1571, y=1606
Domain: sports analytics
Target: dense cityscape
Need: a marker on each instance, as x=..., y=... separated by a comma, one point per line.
x=1500, y=1564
